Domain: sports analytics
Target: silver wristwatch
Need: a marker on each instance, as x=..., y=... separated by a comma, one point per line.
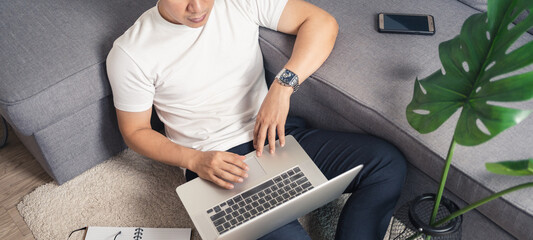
x=288, y=78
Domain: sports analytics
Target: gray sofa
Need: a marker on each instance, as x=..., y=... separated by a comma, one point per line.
x=54, y=93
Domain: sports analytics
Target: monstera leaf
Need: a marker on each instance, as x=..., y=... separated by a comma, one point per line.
x=479, y=70
x=512, y=168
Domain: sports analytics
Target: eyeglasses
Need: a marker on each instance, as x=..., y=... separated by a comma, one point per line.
x=85, y=228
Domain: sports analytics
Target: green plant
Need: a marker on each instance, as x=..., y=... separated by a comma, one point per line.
x=479, y=69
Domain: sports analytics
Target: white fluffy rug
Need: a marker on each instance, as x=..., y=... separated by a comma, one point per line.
x=128, y=191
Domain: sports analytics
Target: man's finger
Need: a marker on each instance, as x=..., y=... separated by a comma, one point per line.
x=236, y=170
x=272, y=139
x=281, y=135
x=218, y=181
x=261, y=135
x=228, y=177
x=238, y=161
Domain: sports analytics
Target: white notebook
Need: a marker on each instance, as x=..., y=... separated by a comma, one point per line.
x=132, y=233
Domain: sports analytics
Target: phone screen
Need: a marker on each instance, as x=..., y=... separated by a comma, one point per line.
x=404, y=22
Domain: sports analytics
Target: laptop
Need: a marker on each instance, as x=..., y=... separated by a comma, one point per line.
x=280, y=188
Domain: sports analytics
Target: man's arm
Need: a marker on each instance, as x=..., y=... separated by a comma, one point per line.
x=220, y=168
x=316, y=31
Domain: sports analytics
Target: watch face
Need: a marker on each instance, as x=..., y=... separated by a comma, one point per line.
x=288, y=78
x=288, y=75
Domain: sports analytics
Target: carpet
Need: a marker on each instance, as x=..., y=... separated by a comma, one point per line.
x=130, y=190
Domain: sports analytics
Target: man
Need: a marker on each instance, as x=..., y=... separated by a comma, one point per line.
x=199, y=63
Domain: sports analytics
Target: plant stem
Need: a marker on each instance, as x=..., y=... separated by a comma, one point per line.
x=443, y=180
x=481, y=202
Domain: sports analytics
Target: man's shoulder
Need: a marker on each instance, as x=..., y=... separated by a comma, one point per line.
x=142, y=27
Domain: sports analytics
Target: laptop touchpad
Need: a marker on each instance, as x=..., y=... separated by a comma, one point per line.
x=256, y=172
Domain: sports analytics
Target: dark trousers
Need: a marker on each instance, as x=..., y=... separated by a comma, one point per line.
x=375, y=189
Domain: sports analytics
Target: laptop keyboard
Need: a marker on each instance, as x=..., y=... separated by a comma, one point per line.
x=260, y=199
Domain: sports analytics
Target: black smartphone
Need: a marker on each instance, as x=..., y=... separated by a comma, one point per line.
x=406, y=23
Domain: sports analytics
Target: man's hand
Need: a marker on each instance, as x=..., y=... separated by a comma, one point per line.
x=271, y=118
x=221, y=168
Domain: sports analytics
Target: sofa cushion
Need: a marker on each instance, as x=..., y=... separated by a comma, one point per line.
x=368, y=80
x=480, y=5
x=52, y=56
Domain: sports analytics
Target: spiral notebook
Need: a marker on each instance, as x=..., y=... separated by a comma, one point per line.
x=132, y=233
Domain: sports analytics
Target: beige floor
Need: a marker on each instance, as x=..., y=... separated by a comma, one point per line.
x=20, y=174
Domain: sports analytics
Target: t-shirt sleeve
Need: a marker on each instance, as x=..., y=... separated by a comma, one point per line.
x=265, y=13
x=132, y=90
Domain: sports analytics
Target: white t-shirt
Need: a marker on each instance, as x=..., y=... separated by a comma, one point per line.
x=207, y=84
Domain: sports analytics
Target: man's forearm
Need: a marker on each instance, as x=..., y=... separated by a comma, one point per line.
x=314, y=42
x=154, y=145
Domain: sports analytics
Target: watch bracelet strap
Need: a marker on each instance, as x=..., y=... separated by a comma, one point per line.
x=294, y=88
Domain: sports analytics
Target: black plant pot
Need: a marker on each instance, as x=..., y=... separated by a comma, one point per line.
x=412, y=219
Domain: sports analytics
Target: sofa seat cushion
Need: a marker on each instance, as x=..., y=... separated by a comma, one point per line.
x=368, y=80
x=52, y=56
